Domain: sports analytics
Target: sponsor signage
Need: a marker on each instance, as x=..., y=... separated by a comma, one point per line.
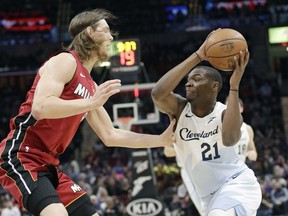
x=144, y=201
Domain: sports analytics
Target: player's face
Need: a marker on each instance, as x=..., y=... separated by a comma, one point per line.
x=102, y=35
x=197, y=85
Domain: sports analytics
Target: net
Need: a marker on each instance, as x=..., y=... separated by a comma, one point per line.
x=125, y=123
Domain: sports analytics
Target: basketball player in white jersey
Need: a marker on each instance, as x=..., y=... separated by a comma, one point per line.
x=245, y=147
x=205, y=133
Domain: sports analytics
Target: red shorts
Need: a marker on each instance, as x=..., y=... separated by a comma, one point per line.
x=19, y=174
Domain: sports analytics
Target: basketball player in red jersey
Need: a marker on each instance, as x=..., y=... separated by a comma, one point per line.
x=62, y=95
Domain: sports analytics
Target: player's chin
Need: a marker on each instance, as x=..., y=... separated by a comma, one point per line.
x=189, y=96
x=104, y=56
x=189, y=99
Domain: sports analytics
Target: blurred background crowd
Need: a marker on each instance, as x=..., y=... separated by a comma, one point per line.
x=168, y=31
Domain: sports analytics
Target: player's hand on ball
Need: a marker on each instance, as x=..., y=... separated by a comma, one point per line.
x=201, y=51
x=240, y=65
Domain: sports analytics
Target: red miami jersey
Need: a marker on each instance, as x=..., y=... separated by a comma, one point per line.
x=31, y=143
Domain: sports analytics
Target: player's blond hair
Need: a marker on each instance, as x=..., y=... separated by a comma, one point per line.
x=82, y=42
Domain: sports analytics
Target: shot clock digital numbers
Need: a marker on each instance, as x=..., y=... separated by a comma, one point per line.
x=125, y=60
x=125, y=53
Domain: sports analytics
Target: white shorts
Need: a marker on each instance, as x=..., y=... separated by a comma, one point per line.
x=243, y=193
x=191, y=190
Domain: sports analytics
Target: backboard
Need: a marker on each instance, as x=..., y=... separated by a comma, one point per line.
x=133, y=103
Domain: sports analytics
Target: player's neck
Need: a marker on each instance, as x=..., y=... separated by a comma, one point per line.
x=203, y=109
x=89, y=64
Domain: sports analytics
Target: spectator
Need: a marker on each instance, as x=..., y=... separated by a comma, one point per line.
x=279, y=197
x=10, y=209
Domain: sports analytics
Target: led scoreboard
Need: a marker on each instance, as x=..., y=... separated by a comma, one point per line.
x=125, y=60
x=125, y=53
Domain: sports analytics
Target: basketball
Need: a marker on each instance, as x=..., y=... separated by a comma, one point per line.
x=222, y=46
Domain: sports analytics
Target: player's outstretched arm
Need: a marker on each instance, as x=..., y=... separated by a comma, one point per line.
x=101, y=123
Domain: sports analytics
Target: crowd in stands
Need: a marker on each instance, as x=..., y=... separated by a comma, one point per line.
x=105, y=173
x=24, y=22
x=136, y=17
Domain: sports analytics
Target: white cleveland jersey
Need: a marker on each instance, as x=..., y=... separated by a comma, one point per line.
x=242, y=145
x=201, y=152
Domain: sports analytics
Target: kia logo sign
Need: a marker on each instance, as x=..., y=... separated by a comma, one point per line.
x=144, y=207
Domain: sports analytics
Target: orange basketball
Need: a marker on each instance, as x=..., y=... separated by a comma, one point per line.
x=222, y=46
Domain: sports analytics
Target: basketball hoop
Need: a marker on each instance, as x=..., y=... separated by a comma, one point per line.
x=129, y=109
x=125, y=123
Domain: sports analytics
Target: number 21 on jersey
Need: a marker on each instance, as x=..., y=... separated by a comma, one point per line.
x=209, y=152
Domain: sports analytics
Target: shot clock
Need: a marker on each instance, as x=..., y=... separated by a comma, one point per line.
x=125, y=60
x=125, y=53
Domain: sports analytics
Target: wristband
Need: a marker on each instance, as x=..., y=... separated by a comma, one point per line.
x=198, y=56
x=233, y=89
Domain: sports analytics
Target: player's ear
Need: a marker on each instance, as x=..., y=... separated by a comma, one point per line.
x=215, y=86
x=89, y=30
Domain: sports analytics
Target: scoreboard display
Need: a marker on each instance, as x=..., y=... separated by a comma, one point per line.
x=125, y=53
x=125, y=60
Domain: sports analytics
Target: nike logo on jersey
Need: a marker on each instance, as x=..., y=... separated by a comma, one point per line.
x=188, y=115
x=82, y=75
x=211, y=119
x=212, y=193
